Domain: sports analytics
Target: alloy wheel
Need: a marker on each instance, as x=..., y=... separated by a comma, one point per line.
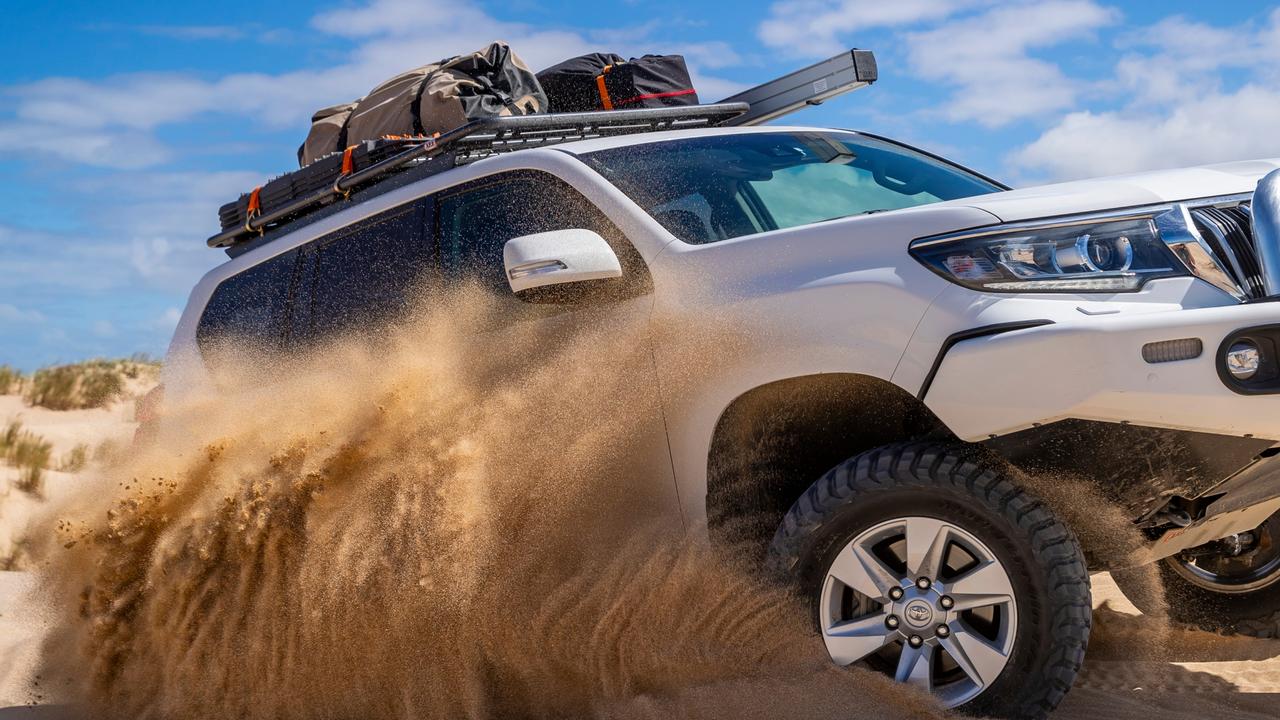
x=923, y=600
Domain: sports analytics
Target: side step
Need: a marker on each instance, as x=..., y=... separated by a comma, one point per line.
x=850, y=70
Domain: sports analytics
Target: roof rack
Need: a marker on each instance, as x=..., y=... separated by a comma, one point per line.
x=490, y=136
x=848, y=71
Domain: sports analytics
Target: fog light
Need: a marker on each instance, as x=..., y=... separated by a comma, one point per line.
x=1243, y=360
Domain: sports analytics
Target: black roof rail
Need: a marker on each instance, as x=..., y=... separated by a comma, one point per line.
x=489, y=136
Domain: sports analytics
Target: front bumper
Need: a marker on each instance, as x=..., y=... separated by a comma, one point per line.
x=1092, y=368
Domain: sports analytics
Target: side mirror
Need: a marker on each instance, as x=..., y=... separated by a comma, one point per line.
x=559, y=256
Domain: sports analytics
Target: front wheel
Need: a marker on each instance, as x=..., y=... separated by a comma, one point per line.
x=1227, y=586
x=927, y=562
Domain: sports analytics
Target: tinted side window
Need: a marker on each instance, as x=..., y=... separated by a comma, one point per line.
x=252, y=307
x=368, y=274
x=475, y=223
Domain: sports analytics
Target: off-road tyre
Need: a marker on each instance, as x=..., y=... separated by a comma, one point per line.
x=1169, y=595
x=965, y=486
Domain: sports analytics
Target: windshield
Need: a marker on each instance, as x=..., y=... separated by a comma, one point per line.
x=715, y=188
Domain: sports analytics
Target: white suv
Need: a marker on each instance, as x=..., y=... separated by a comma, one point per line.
x=925, y=342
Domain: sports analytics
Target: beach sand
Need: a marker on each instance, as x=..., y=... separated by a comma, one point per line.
x=1129, y=673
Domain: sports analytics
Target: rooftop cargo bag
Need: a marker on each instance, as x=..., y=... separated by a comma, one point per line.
x=604, y=81
x=434, y=98
x=328, y=133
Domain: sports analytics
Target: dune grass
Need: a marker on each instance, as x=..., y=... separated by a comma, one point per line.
x=89, y=384
x=28, y=452
x=75, y=459
x=10, y=380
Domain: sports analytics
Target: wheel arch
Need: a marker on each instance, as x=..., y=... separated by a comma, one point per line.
x=773, y=441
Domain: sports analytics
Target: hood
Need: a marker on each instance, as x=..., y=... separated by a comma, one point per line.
x=1121, y=191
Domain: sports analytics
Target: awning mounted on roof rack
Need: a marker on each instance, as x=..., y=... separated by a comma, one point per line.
x=846, y=72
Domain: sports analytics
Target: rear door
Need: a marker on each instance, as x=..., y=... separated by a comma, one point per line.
x=358, y=279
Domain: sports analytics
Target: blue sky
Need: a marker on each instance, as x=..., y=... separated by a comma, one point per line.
x=124, y=125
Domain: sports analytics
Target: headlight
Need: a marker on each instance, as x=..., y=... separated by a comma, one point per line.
x=1087, y=256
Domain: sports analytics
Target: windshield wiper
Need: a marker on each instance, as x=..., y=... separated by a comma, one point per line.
x=864, y=212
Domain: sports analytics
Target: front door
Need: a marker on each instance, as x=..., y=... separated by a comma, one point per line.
x=595, y=344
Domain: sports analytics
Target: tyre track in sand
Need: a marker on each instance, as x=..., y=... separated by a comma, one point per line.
x=1137, y=668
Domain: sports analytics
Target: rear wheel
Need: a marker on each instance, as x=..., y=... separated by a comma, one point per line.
x=928, y=563
x=1226, y=586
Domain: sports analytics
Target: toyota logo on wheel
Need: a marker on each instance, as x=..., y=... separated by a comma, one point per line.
x=919, y=613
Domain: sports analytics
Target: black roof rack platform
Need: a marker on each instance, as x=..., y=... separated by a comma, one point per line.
x=302, y=192
x=489, y=136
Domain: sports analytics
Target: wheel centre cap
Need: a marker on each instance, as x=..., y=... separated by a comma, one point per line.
x=919, y=613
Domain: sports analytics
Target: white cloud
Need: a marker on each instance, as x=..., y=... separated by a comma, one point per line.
x=110, y=121
x=218, y=33
x=13, y=314
x=150, y=235
x=121, y=149
x=180, y=32
x=986, y=59
x=1213, y=128
x=167, y=320
x=104, y=329
x=1176, y=107
x=813, y=28
x=1178, y=58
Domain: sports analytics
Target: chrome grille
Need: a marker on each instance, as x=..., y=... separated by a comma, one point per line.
x=1229, y=233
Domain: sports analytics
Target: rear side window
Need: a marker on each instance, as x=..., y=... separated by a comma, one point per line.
x=251, y=308
x=369, y=274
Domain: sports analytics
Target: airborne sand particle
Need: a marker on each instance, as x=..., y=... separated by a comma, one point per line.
x=440, y=525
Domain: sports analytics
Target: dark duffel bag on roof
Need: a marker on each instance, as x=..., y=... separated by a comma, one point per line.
x=604, y=81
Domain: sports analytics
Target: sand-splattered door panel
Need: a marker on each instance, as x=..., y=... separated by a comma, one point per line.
x=600, y=330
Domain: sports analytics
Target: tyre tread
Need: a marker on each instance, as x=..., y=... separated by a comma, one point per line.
x=960, y=469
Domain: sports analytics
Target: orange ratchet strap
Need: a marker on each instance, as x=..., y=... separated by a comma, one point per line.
x=604, y=92
x=348, y=167
x=348, y=162
x=254, y=209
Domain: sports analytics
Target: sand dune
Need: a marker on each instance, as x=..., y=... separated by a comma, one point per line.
x=64, y=430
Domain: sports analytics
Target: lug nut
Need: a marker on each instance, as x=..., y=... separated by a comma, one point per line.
x=946, y=602
x=923, y=583
x=895, y=593
x=942, y=631
x=891, y=622
x=915, y=641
